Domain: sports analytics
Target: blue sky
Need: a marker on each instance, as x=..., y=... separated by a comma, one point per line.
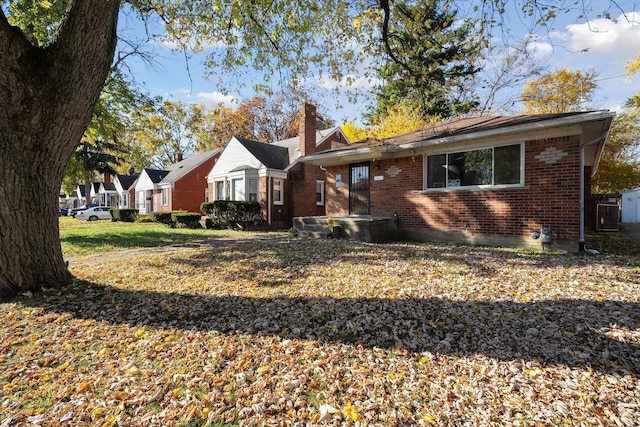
x=603, y=46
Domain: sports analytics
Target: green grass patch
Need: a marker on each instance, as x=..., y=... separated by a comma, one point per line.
x=612, y=242
x=90, y=237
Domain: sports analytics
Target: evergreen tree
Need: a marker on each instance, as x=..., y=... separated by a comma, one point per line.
x=431, y=59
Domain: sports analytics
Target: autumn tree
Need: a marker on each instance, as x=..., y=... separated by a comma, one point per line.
x=218, y=127
x=619, y=166
x=353, y=132
x=275, y=117
x=562, y=91
x=633, y=67
x=166, y=129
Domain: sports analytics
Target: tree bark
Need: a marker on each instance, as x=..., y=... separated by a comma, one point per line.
x=47, y=96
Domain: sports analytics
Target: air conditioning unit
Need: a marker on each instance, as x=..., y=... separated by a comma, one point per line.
x=607, y=217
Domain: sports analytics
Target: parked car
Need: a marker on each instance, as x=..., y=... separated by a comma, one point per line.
x=74, y=211
x=95, y=213
x=64, y=212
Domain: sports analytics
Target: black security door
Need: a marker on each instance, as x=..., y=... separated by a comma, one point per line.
x=359, y=189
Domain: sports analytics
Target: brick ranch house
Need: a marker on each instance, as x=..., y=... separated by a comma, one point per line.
x=478, y=180
x=272, y=173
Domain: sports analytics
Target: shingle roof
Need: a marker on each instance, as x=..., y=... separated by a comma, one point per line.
x=180, y=169
x=108, y=186
x=458, y=126
x=270, y=155
x=156, y=175
x=127, y=180
x=465, y=125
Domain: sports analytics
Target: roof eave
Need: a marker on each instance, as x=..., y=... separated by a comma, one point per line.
x=532, y=130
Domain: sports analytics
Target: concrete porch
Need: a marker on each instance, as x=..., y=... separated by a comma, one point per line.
x=362, y=228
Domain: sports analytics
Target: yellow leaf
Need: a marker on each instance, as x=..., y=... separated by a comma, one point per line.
x=140, y=332
x=83, y=386
x=532, y=372
x=45, y=4
x=263, y=369
x=102, y=351
x=97, y=412
x=349, y=411
x=133, y=370
x=429, y=418
x=62, y=367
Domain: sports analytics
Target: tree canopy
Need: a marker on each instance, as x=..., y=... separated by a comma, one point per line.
x=562, y=91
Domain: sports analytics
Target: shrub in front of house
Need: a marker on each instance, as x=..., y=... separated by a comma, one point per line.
x=233, y=213
x=124, y=215
x=161, y=217
x=186, y=219
x=165, y=217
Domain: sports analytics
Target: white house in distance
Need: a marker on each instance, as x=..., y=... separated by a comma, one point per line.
x=630, y=206
x=272, y=174
x=125, y=187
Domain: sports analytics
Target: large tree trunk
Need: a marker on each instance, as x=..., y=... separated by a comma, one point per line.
x=47, y=95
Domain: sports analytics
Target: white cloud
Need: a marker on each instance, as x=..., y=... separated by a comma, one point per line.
x=216, y=98
x=617, y=38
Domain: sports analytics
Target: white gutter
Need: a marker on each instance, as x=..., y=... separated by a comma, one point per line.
x=268, y=199
x=582, y=190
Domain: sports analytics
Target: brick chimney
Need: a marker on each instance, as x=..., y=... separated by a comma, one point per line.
x=106, y=177
x=307, y=132
x=178, y=156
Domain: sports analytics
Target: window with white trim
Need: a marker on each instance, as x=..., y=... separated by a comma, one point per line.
x=165, y=196
x=502, y=165
x=278, y=197
x=253, y=189
x=319, y=193
x=219, y=190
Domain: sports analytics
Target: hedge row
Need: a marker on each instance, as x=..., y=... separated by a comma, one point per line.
x=124, y=215
x=233, y=213
x=179, y=219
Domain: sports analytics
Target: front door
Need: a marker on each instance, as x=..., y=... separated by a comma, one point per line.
x=359, y=189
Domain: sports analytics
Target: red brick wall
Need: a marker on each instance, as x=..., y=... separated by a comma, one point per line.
x=189, y=191
x=550, y=196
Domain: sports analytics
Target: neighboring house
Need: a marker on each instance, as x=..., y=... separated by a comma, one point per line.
x=630, y=206
x=480, y=180
x=107, y=194
x=81, y=194
x=147, y=190
x=272, y=175
x=182, y=186
x=125, y=187
x=94, y=194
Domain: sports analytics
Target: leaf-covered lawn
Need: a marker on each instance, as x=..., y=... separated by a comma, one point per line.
x=281, y=331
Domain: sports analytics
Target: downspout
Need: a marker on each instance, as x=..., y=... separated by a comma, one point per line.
x=269, y=199
x=582, y=201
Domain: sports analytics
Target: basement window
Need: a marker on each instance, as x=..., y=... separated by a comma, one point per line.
x=485, y=167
